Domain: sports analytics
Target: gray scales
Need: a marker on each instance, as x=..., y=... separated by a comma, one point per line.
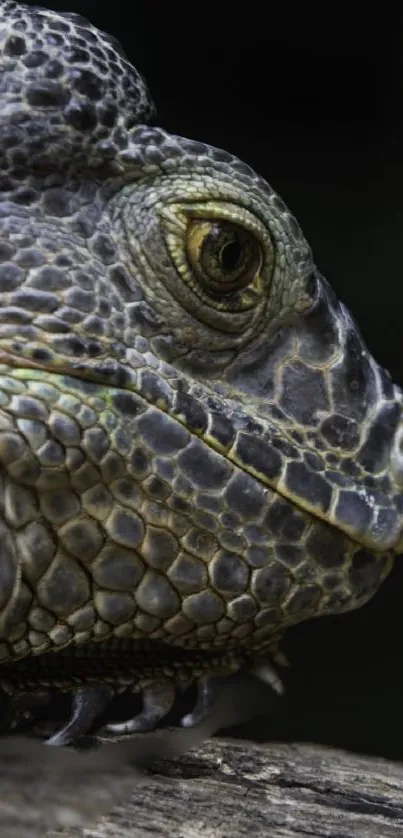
x=197, y=449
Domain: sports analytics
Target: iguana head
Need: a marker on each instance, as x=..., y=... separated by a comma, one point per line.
x=196, y=446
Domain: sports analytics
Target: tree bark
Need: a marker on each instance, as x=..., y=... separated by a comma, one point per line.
x=221, y=789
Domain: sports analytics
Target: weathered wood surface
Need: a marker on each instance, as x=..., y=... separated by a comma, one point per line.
x=221, y=789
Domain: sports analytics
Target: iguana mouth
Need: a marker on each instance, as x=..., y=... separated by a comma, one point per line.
x=124, y=664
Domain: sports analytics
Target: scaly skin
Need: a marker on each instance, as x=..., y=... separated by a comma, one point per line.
x=197, y=450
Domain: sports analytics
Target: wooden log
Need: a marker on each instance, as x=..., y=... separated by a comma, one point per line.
x=233, y=789
x=221, y=789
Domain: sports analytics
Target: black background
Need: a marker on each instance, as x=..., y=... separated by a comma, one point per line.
x=310, y=95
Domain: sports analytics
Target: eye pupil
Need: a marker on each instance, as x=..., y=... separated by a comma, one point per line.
x=230, y=255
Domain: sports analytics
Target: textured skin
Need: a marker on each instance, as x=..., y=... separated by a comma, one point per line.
x=178, y=464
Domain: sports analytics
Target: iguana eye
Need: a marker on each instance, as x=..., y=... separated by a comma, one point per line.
x=224, y=256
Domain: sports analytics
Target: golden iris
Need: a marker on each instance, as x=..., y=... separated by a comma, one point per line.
x=224, y=256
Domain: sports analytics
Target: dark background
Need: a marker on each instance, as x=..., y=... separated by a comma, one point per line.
x=310, y=95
